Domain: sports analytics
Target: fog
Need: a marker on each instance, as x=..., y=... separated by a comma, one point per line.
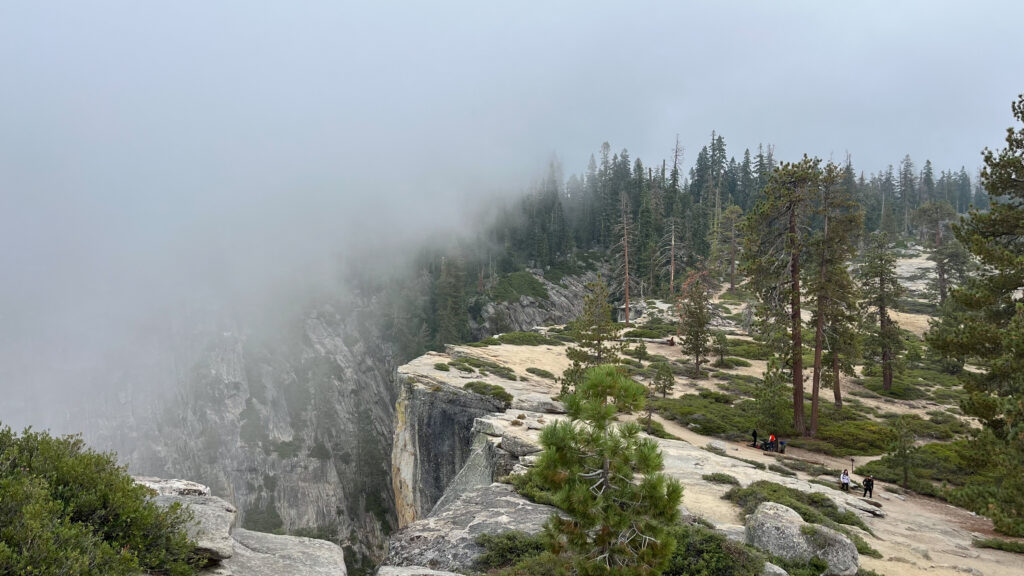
x=192, y=155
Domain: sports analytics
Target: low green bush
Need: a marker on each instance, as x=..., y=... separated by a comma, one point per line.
x=541, y=373
x=527, y=339
x=442, y=367
x=813, y=507
x=779, y=469
x=469, y=364
x=1000, y=544
x=657, y=430
x=65, y=509
x=703, y=552
x=507, y=548
x=492, y=390
x=484, y=343
x=730, y=362
x=748, y=350
x=721, y=478
x=708, y=416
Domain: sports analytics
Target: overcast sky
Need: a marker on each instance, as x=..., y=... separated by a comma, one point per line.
x=150, y=149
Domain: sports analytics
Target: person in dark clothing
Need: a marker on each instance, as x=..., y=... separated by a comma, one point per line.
x=754, y=434
x=869, y=486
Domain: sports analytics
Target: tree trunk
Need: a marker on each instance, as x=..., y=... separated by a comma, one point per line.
x=672, y=262
x=940, y=281
x=883, y=323
x=732, y=262
x=795, y=322
x=835, y=381
x=819, y=328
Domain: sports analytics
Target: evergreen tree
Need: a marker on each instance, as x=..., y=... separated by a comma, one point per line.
x=625, y=278
x=773, y=410
x=881, y=289
x=617, y=503
x=594, y=333
x=989, y=325
x=828, y=284
x=451, y=304
x=775, y=238
x=902, y=448
x=695, y=317
x=664, y=381
x=729, y=229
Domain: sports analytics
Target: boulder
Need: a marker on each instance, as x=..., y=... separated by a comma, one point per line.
x=772, y=570
x=260, y=554
x=733, y=532
x=780, y=531
x=534, y=402
x=173, y=487
x=517, y=446
x=446, y=539
x=211, y=525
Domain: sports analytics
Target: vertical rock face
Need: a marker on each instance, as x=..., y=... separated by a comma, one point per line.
x=294, y=429
x=564, y=302
x=432, y=441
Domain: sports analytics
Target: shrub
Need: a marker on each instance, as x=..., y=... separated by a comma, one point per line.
x=527, y=339
x=65, y=509
x=441, y=366
x=517, y=284
x=730, y=362
x=707, y=416
x=748, y=349
x=469, y=364
x=703, y=552
x=1000, y=544
x=484, y=343
x=721, y=478
x=507, y=548
x=492, y=390
x=813, y=507
x=778, y=469
x=541, y=373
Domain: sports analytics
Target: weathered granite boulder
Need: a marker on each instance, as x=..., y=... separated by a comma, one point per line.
x=780, y=531
x=538, y=403
x=176, y=487
x=259, y=554
x=517, y=446
x=772, y=570
x=211, y=526
x=445, y=540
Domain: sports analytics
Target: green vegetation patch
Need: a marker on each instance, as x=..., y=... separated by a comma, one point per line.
x=542, y=373
x=704, y=552
x=527, y=339
x=516, y=284
x=706, y=414
x=721, y=478
x=65, y=509
x=492, y=390
x=730, y=362
x=1000, y=544
x=485, y=367
x=506, y=549
x=747, y=349
x=441, y=366
x=932, y=466
x=813, y=507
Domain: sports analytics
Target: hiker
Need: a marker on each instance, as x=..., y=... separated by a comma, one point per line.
x=771, y=442
x=869, y=486
x=754, y=433
x=844, y=481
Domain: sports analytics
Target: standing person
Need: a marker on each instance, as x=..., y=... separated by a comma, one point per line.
x=754, y=434
x=771, y=442
x=869, y=486
x=844, y=481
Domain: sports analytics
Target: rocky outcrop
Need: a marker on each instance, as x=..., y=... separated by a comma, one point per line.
x=780, y=531
x=446, y=539
x=564, y=302
x=291, y=425
x=232, y=551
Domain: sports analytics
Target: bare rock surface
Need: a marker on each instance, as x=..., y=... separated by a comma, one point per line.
x=780, y=531
x=260, y=554
x=445, y=540
x=213, y=518
x=412, y=571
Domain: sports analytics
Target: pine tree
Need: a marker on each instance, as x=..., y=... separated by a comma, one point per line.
x=775, y=238
x=771, y=405
x=902, y=449
x=608, y=480
x=625, y=279
x=729, y=229
x=828, y=284
x=989, y=325
x=695, y=317
x=664, y=381
x=594, y=333
x=881, y=289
